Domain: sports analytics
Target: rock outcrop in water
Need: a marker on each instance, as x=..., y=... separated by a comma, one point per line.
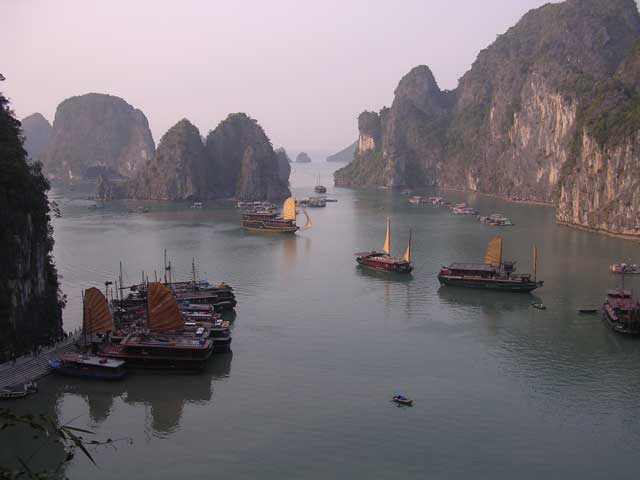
x=177, y=170
x=345, y=155
x=36, y=130
x=303, y=157
x=97, y=130
x=241, y=162
x=548, y=112
x=30, y=305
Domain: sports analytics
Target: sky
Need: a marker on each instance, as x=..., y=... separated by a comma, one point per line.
x=304, y=70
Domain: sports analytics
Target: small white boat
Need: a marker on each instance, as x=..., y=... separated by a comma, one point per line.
x=402, y=399
x=18, y=391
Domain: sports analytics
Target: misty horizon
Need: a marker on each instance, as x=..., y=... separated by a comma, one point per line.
x=304, y=73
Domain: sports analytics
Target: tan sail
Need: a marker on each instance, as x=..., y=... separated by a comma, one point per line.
x=97, y=316
x=387, y=241
x=289, y=209
x=407, y=252
x=308, y=224
x=494, y=252
x=163, y=309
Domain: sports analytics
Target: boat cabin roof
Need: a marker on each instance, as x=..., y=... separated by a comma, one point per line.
x=476, y=267
x=619, y=293
x=91, y=360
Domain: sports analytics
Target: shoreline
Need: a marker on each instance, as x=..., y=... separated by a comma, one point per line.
x=600, y=231
x=501, y=197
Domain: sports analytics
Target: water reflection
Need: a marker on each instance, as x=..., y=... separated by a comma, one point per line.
x=488, y=301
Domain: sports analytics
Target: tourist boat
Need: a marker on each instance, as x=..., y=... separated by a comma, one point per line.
x=417, y=200
x=159, y=345
x=383, y=260
x=587, y=310
x=622, y=312
x=88, y=366
x=623, y=268
x=402, y=399
x=18, y=391
x=316, y=202
x=496, y=220
x=539, y=306
x=319, y=188
x=266, y=221
x=437, y=200
x=197, y=205
x=464, y=210
x=493, y=273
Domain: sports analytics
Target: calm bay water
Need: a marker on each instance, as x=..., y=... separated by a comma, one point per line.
x=501, y=390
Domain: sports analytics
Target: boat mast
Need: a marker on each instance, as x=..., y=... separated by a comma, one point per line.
x=535, y=263
x=120, y=280
x=165, y=266
x=193, y=270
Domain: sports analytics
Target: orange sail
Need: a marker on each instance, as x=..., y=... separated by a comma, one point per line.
x=407, y=253
x=163, y=309
x=97, y=316
x=387, y=241
x=494, y=252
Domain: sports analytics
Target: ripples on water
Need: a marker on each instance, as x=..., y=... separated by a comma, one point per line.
x=501, y=389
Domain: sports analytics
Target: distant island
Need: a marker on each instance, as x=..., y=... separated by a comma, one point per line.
x=345, y=155
x=102, y=138
x=548, y=113
x=303, y=157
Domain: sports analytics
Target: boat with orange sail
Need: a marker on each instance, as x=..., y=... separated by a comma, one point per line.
x=384, y=260
x=160, y=345
x=269, y=221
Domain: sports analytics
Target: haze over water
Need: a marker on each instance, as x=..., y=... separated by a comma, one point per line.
x=320, y=346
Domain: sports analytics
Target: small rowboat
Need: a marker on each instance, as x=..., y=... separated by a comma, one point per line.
x=402, y=399
x=587, y=310
x=18, y=391
x=539, y=306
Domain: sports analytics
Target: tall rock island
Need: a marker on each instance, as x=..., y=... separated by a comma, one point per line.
x=37, y=131
x=30, y=303
x=547, y=113
x=97, y=134
x=345, y=155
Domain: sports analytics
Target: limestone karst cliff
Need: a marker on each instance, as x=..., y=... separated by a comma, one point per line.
x=36, y=131
x=284, y=167
x=30, y=305
x=97, y=130
x=177, y=169
x=548, y=113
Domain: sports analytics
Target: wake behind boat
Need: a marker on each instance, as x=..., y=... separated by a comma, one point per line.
x=383, y=260
x=269, y=221
x=493, y=273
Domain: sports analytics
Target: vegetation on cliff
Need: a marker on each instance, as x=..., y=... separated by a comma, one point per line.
x=30, y=299
x=36, y=130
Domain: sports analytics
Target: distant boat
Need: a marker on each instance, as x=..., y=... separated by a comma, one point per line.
x=622, y=312
x=383, y=260
x=268, y=221
x=539, y=306
x=197, y=205
x=624, y=269
x=316, y=202
x=402, y=399
x=587, y=310
x=493, y=273
x=18, y=391
x=319, y=188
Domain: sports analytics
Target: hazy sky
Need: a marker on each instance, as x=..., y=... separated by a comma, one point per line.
x=304, y=70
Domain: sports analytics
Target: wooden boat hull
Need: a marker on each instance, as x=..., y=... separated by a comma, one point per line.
x=403, y=267
x=489, y=284
x=623, y=328
x=263, y=227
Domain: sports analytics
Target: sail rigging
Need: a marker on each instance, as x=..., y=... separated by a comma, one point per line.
x=308, y=224
x=494, y=252
x=96, y=313
x=163, y=310
x=289, y=209
x=387, y=241
x=407, y=253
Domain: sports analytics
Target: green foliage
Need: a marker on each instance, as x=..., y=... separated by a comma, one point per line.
x=365, y=170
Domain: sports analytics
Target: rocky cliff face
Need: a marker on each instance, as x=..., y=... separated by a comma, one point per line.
x=303, y=157
x=284, y=167
x=345, y=155
x=30, y=306
x=177, y=169
x=241, y=162
x=97, y=130
x=551, y=104
x=36, y=130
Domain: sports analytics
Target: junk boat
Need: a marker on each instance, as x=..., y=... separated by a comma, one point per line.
x=88, y=366
x=496, y=220
x=622, y=312
x=383, y=260
x=267, y=221
x=160, y=345
x=319, y=188
x=624, y=269
x=493, y=273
